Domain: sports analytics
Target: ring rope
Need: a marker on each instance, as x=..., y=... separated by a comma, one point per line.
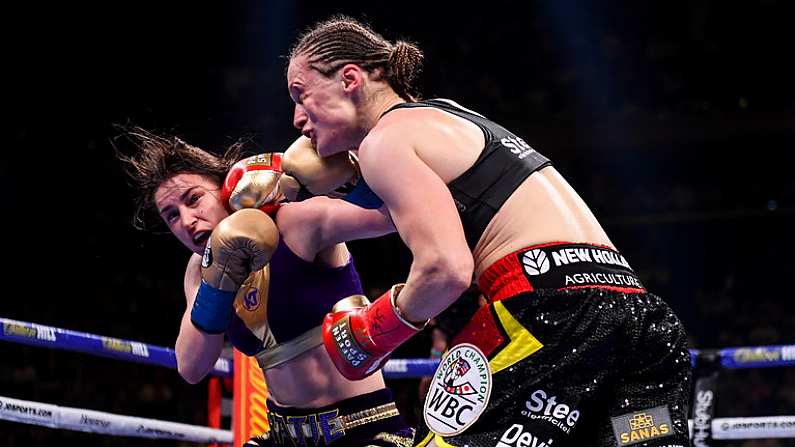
x=40, y=335
x=54, y=416
x=762, y=427
x=94, y=421
x=79, y=419
x=52, y=337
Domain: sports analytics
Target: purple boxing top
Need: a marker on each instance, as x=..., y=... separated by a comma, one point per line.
x=299, y=296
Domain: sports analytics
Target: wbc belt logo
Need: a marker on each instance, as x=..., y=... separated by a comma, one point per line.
x=459, y=391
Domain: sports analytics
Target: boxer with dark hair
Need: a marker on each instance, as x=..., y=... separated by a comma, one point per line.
x=266, y=288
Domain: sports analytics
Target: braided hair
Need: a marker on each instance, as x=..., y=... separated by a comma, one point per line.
x=341, y=40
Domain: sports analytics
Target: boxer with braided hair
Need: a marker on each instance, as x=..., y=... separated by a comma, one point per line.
x=263, y=273
x=579, y=353
x=342, y=41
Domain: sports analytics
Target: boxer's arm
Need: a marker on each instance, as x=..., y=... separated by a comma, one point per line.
x=320, y=223
x=196, y=351
x=360, y=340
x=423, y=212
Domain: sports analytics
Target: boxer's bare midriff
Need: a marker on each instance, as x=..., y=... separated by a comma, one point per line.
x=545, y=208
x=311, y=380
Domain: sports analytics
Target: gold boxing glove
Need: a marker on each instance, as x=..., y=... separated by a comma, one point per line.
x=306, y=174
x=254, y=183
x=239, y=245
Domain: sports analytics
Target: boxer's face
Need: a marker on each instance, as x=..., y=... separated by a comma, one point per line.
x=191, y=206
x=324, y=111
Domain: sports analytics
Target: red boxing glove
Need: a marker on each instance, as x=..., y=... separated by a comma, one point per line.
x=359, y=341
x=254, y=183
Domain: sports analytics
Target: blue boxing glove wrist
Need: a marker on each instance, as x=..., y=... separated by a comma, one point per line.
x=212, y=309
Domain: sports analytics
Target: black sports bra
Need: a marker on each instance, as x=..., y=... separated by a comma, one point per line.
x=505, y=162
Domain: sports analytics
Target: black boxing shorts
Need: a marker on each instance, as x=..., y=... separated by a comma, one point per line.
x=580, y=354
x=370, y=419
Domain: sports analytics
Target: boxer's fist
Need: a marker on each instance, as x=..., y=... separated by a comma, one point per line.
x=254, y=183
x=239, y=245
x=359, y=340
x=306, y=174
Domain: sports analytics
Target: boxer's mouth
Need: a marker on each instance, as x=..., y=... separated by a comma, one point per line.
x=201, y=237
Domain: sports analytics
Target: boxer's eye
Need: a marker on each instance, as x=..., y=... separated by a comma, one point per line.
x=193, y=199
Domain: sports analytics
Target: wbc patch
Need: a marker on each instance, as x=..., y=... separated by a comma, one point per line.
x=643, y=425
x=459, y=392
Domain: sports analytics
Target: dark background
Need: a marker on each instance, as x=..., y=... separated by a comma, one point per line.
x=674, y=120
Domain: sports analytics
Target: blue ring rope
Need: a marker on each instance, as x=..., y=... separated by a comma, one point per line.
x=47, y=336
x=115, y=348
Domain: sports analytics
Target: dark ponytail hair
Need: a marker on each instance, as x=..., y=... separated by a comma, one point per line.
x=159, y=157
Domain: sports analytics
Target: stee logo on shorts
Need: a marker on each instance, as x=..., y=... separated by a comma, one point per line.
x=541, y=406
x=459, y=391
x=641, y=426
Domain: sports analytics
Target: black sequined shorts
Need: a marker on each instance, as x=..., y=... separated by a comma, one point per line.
x=579, y=366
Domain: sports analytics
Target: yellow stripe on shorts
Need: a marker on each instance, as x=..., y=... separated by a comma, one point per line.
x=522, y=343
x=438, y=440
